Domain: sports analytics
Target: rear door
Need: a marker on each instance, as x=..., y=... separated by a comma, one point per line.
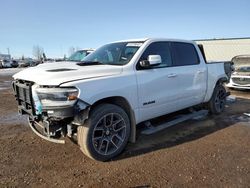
x=191, y=73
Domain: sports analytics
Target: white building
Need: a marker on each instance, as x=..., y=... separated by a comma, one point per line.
x=225, y=49
x=5, y=56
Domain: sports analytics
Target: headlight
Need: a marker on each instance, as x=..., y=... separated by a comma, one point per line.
x=57, y=97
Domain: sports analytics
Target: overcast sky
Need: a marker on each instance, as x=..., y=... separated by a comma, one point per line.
x=56, y=25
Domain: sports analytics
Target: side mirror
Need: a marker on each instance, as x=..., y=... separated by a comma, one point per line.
x=152, y=60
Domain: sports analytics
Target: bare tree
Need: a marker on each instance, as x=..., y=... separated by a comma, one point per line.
x=38, y=52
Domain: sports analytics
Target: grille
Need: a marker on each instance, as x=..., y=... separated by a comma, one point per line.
x=241, y=81
x=23, y=96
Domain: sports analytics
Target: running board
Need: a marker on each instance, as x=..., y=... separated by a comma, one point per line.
x=154, y=129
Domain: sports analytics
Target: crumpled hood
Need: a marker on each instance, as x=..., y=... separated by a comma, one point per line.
x=61, y=72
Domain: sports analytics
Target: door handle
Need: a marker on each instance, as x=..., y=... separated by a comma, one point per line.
x=172, y=75
x=200, y=71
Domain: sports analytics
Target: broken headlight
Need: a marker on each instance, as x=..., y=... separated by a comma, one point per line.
x=57, y=97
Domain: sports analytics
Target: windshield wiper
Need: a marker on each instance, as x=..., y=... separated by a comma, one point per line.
x=86, y=63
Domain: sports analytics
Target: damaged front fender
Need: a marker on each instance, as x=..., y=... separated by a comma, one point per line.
x=82, y=112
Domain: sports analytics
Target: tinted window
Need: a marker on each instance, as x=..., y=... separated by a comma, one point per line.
x=159, y=48
x=184, y=54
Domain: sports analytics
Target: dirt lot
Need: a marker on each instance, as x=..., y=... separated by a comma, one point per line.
x=214, y=152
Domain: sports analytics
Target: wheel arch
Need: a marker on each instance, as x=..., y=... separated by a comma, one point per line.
x=220, y=80
x=124, y=104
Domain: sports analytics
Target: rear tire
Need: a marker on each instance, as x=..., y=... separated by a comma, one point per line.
x=218, y=100
x=105, y=134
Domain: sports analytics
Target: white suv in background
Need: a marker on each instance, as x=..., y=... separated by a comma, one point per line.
x=240, y=79
x=5, y=63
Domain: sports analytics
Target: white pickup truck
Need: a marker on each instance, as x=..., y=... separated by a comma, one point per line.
x=101, y=99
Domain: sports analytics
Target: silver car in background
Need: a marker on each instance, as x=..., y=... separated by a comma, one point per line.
x=240, y=79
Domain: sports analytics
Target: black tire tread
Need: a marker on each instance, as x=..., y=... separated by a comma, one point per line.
x=211, y=104
x=83, y=130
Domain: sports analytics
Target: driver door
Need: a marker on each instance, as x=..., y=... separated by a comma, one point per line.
x=159, y=90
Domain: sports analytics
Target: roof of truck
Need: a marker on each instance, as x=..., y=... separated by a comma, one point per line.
x=155, y=39
x=86, y=49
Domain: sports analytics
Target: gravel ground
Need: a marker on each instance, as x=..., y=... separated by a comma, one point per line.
x=9, y=71
x=214, y=152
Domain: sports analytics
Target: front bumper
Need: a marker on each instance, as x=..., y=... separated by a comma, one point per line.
x=53, y=122
x=238, y=87
x=33, y=125
x=231, y=84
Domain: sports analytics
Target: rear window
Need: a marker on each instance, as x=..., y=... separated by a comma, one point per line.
x=184, y=54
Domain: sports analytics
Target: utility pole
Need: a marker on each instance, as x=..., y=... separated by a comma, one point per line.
x=8, y=49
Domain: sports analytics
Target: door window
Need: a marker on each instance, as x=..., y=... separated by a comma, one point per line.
x=158, y=48
x=184, y=54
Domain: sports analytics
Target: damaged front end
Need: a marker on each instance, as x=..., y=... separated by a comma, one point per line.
x=54, y=112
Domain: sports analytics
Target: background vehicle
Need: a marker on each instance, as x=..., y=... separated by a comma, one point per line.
x=80, y=54
x=5, y=63
x=28, y=63
x=240, y=78
x=14, y=63
x=102, y=99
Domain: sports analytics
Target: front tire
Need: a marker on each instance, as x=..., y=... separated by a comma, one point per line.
x=105, y=134
x=218, y=100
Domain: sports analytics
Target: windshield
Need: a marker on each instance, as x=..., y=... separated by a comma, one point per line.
x=243, y=69
x=115, y=53
x=78, y=56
